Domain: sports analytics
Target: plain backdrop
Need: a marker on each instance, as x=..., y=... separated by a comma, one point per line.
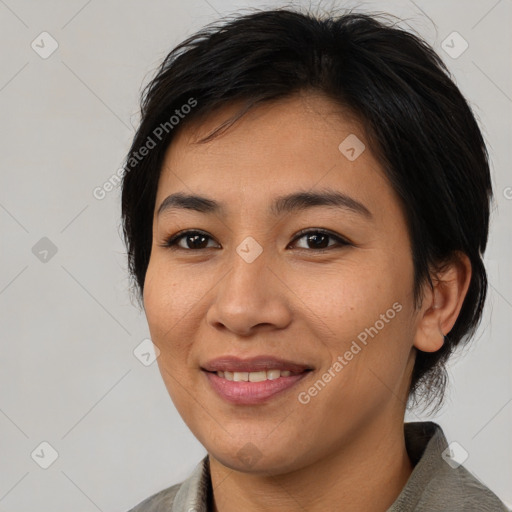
x=68, y=373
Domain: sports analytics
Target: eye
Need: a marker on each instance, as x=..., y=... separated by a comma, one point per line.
x=319, y=239
x=190, y=240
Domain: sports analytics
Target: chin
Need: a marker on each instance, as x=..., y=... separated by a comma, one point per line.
x=257, y=457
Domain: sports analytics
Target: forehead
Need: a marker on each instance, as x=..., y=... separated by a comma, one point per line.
x=302, y=142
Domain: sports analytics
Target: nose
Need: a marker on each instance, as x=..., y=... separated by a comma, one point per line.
x=250, y=298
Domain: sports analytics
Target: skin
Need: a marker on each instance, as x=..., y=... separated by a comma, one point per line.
x=346, y=445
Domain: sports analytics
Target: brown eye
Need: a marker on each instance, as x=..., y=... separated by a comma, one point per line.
x=319, y=240
x=190, y=240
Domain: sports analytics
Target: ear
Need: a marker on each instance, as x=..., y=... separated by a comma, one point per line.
x=441, y=305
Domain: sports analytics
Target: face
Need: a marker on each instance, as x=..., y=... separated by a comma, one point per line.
x=292, y=269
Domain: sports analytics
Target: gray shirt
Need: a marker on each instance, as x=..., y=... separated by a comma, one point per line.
x=437, y=483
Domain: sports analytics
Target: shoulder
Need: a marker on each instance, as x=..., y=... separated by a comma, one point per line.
x=158, y=502
x=187, y=495
x=460, y=490
x=457, y=490
x=439, y=482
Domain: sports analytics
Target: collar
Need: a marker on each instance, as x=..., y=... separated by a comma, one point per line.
x=437, y=483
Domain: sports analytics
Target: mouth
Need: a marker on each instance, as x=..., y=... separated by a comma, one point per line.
x=258, y=376
x=253, y=381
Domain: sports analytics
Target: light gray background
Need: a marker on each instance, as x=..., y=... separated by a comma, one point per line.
x=68, y=373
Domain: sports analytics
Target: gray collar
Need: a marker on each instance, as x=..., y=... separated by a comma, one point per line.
x=437, y=483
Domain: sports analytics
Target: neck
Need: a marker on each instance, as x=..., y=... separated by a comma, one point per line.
x=366, y=474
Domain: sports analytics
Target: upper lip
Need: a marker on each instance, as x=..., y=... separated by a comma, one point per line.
x=253, y=364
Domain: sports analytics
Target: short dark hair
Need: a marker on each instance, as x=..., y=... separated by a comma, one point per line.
x=418, y=123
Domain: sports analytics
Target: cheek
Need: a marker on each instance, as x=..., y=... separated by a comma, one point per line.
x=169, y=306
x=364, y=313
x=347, y=299
x=168, y=302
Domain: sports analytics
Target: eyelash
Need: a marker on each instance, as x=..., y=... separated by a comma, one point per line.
x=172, y=241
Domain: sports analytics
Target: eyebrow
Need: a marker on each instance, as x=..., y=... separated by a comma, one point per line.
x=283, y=204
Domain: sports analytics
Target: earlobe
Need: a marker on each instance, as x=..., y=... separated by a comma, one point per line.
x=442, y=304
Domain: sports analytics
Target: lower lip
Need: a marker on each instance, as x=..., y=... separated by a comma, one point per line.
x=250, y=393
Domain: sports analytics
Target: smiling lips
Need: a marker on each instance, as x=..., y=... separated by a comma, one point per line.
x=252, y=381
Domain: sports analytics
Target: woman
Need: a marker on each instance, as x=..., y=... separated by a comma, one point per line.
x=305, y=206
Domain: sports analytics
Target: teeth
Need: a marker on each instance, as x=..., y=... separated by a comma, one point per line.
x=273, y=374
x=254, y=376
x=238, y=376
x=257, y=376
